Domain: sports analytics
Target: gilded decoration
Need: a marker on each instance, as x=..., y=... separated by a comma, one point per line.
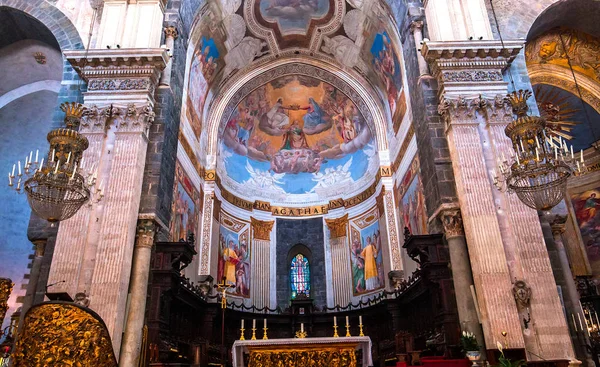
x=261, y=229
x=341, y=356
x=337, y=227
x=522, y=293
x=559, y=225
x=453, y=224
x=561, y=46
x=6, y=286
x=146, y=229
x=63, y=334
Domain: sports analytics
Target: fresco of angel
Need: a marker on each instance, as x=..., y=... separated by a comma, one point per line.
x=264, y=180
x=332, y=176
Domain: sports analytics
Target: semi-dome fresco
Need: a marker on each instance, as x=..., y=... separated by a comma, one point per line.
x=296, y=135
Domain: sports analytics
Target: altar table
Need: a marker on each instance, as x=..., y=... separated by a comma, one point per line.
x=293, y=352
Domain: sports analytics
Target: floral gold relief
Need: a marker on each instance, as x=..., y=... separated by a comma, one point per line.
x=6, y=286
x=330, y=356
x=63, y=334
x=262, y=229
x=337, y=227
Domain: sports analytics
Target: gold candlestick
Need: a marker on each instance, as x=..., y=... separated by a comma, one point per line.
x=361, y=330
x=348, y=330
x=242, y=336
x=253, y=334
x=301, y=334
x=335, y=333
x=265, y=333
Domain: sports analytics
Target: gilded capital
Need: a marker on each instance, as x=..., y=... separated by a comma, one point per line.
x=337, y=227
x=417, y=24
x=146, y=229
x=261, y=229
x=453, y=224
x=171, y=32
x=559, y=224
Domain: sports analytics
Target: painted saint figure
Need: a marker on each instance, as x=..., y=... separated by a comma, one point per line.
x=230, y=259
x=369, y=254
x=358, y=266
x=294, y=138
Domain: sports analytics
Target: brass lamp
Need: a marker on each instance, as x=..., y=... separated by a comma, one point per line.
x=543, y=162
x=56, y=190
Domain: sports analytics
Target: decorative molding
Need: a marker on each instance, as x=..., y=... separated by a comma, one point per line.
x=337, y=227
x=417, y=24
x=472, y=76
x=261, y=230
x=403, y=148
x=473, y=50
x=385, y=171
x=522, y=294
x=206, y=232
x=452, y=222
x=118, y=84
x=392, y=230
x=95, y=119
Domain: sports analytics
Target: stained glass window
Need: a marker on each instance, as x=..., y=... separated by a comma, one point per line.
x=300, y=276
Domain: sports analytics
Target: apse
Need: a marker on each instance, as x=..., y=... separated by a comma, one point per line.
x=296, y=138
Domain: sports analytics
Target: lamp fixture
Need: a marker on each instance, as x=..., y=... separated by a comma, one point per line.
x=543, y=162
x=58, y=188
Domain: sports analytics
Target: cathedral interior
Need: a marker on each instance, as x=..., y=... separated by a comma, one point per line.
x=300, y=183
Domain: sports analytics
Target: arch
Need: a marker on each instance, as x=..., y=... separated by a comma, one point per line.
x=56, y=21
x=355, y=87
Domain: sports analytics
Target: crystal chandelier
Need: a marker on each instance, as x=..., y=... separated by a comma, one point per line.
x=57, y=189
x=543, y=162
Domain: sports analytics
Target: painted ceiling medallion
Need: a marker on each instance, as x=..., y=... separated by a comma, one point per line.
x=294, y=16
x=40, y=58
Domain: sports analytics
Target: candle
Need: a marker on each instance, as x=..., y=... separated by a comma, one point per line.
x=581, y=151
x=580, y=323
x=334, y=320
x=19, y=168
x=347, y=323
x=537, y=155
x=69, y=158
x=9, y=179
x=574, y=323
x=73, y=176
x=523, y=149
x=302, y=327
x=56, y=169
x=537, y=142
x=518, y=162
x=30, y=155
x=25, y=165
x=53, y=154
x=41, y=164
x=572, y=156
x=13, y=172
x=360, y=319
x=242, y=323
x=555, y=153
x=597, y=321
x=254, y=324
x=19, y=185
x=265, y=323
x=37, y=153
x=81, y=162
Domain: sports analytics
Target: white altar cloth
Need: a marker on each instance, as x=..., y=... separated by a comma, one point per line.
x=240, y=347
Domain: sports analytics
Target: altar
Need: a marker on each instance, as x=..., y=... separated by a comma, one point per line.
x=305, y=352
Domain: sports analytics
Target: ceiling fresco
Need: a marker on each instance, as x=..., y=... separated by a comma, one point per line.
x=296, y=135
x=234, y=35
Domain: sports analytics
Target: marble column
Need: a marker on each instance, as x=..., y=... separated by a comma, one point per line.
x=461, y=274
x=6, y=286
x=508, y=255
x=261, y=260
x=170, y=37
x=570, y=293
x=340, y=260
x=138, y=291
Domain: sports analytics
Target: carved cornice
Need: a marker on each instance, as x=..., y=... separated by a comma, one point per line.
x=417, y=24
x=452, y=222
x=470, y=61
x=337, y=227
x=119, y=70
x=261, y=229
x=95, y=119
